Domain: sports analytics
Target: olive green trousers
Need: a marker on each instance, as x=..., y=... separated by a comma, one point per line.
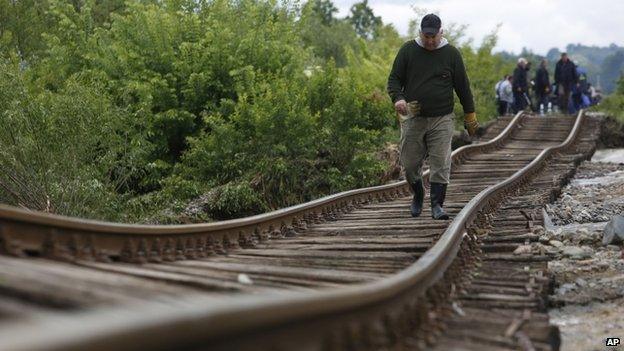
x=427, y=136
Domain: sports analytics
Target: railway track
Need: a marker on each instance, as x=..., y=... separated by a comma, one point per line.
x=349, y=271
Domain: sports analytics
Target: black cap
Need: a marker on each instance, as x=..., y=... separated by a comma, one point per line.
x=430, y=24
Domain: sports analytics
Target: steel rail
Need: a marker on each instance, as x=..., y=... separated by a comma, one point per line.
x=403, y=290
x=349, y=316
x=368, y=316
x=54, y=236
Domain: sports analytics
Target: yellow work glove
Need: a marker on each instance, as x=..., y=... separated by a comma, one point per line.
x=470, y=123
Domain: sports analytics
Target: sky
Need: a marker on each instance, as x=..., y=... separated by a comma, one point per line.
x=535, y=24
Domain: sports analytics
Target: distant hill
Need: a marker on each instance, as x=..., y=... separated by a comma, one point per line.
x=604, y=65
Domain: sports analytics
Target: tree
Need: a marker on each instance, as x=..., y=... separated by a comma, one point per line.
x=611, y=70
x=325, y=10
x=21, y=25
x=364, y=20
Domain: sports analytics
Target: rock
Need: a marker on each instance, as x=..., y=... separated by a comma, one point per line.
x=613, y=232
x=522, y=250
x=544, y=239
x=244, y=279
x=576, y=253
x=552, y=250
x=581, y=282
x=563, y=289
x=613, y=248
x=586, y=262
x=584, y=236
x=546, y=214
x=555, y=243
x=566, y=235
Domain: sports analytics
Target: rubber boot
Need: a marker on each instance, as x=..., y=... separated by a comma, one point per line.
x=438, y=193
x=417, y=200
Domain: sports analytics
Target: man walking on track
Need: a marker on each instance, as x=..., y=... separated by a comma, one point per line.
x=424, y=74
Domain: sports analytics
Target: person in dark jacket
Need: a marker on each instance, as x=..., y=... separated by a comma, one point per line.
x=542, y=86
x=520, y=86
x=565, y=78
x=424, y=75
x=530, y=85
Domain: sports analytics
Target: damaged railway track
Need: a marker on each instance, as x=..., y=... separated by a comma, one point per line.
x=349, y=271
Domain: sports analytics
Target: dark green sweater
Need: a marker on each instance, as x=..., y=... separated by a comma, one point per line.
x=430, y=77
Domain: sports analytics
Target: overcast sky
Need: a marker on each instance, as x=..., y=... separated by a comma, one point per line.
x=536, y=24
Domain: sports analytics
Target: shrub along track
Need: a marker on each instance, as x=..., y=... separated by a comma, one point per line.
x=349, y=271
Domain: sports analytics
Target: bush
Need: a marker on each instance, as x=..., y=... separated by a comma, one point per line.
x=128, y=112
x=613, y=104
x=233, y=200
x=62, y=152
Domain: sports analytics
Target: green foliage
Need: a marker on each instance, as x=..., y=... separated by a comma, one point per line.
x=21, y=25
x=323, y=10
x=233, y=200
x=484, y=70
x=128, y=110
x=613, y=104
x=62, y=152
x=364, y=20
x=287, y=133
x=613, y=66
x=328, y=41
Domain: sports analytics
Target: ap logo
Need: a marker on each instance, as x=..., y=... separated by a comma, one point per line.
x=612, y=341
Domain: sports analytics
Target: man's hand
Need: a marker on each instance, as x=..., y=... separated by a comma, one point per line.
x=470, y=123
x=547, y=90
x=401, y=107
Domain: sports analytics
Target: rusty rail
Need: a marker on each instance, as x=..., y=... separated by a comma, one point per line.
x=58, y=237
x=403, y=308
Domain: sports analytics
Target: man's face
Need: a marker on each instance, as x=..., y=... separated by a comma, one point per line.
x=431, y=41
x=564, y=58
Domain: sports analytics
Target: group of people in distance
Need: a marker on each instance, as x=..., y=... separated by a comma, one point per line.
x=570, y=91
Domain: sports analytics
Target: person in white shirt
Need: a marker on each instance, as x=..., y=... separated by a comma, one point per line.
x=504, y=92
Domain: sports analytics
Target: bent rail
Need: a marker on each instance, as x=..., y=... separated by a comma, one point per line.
x=368, y=316
x=60, y=237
